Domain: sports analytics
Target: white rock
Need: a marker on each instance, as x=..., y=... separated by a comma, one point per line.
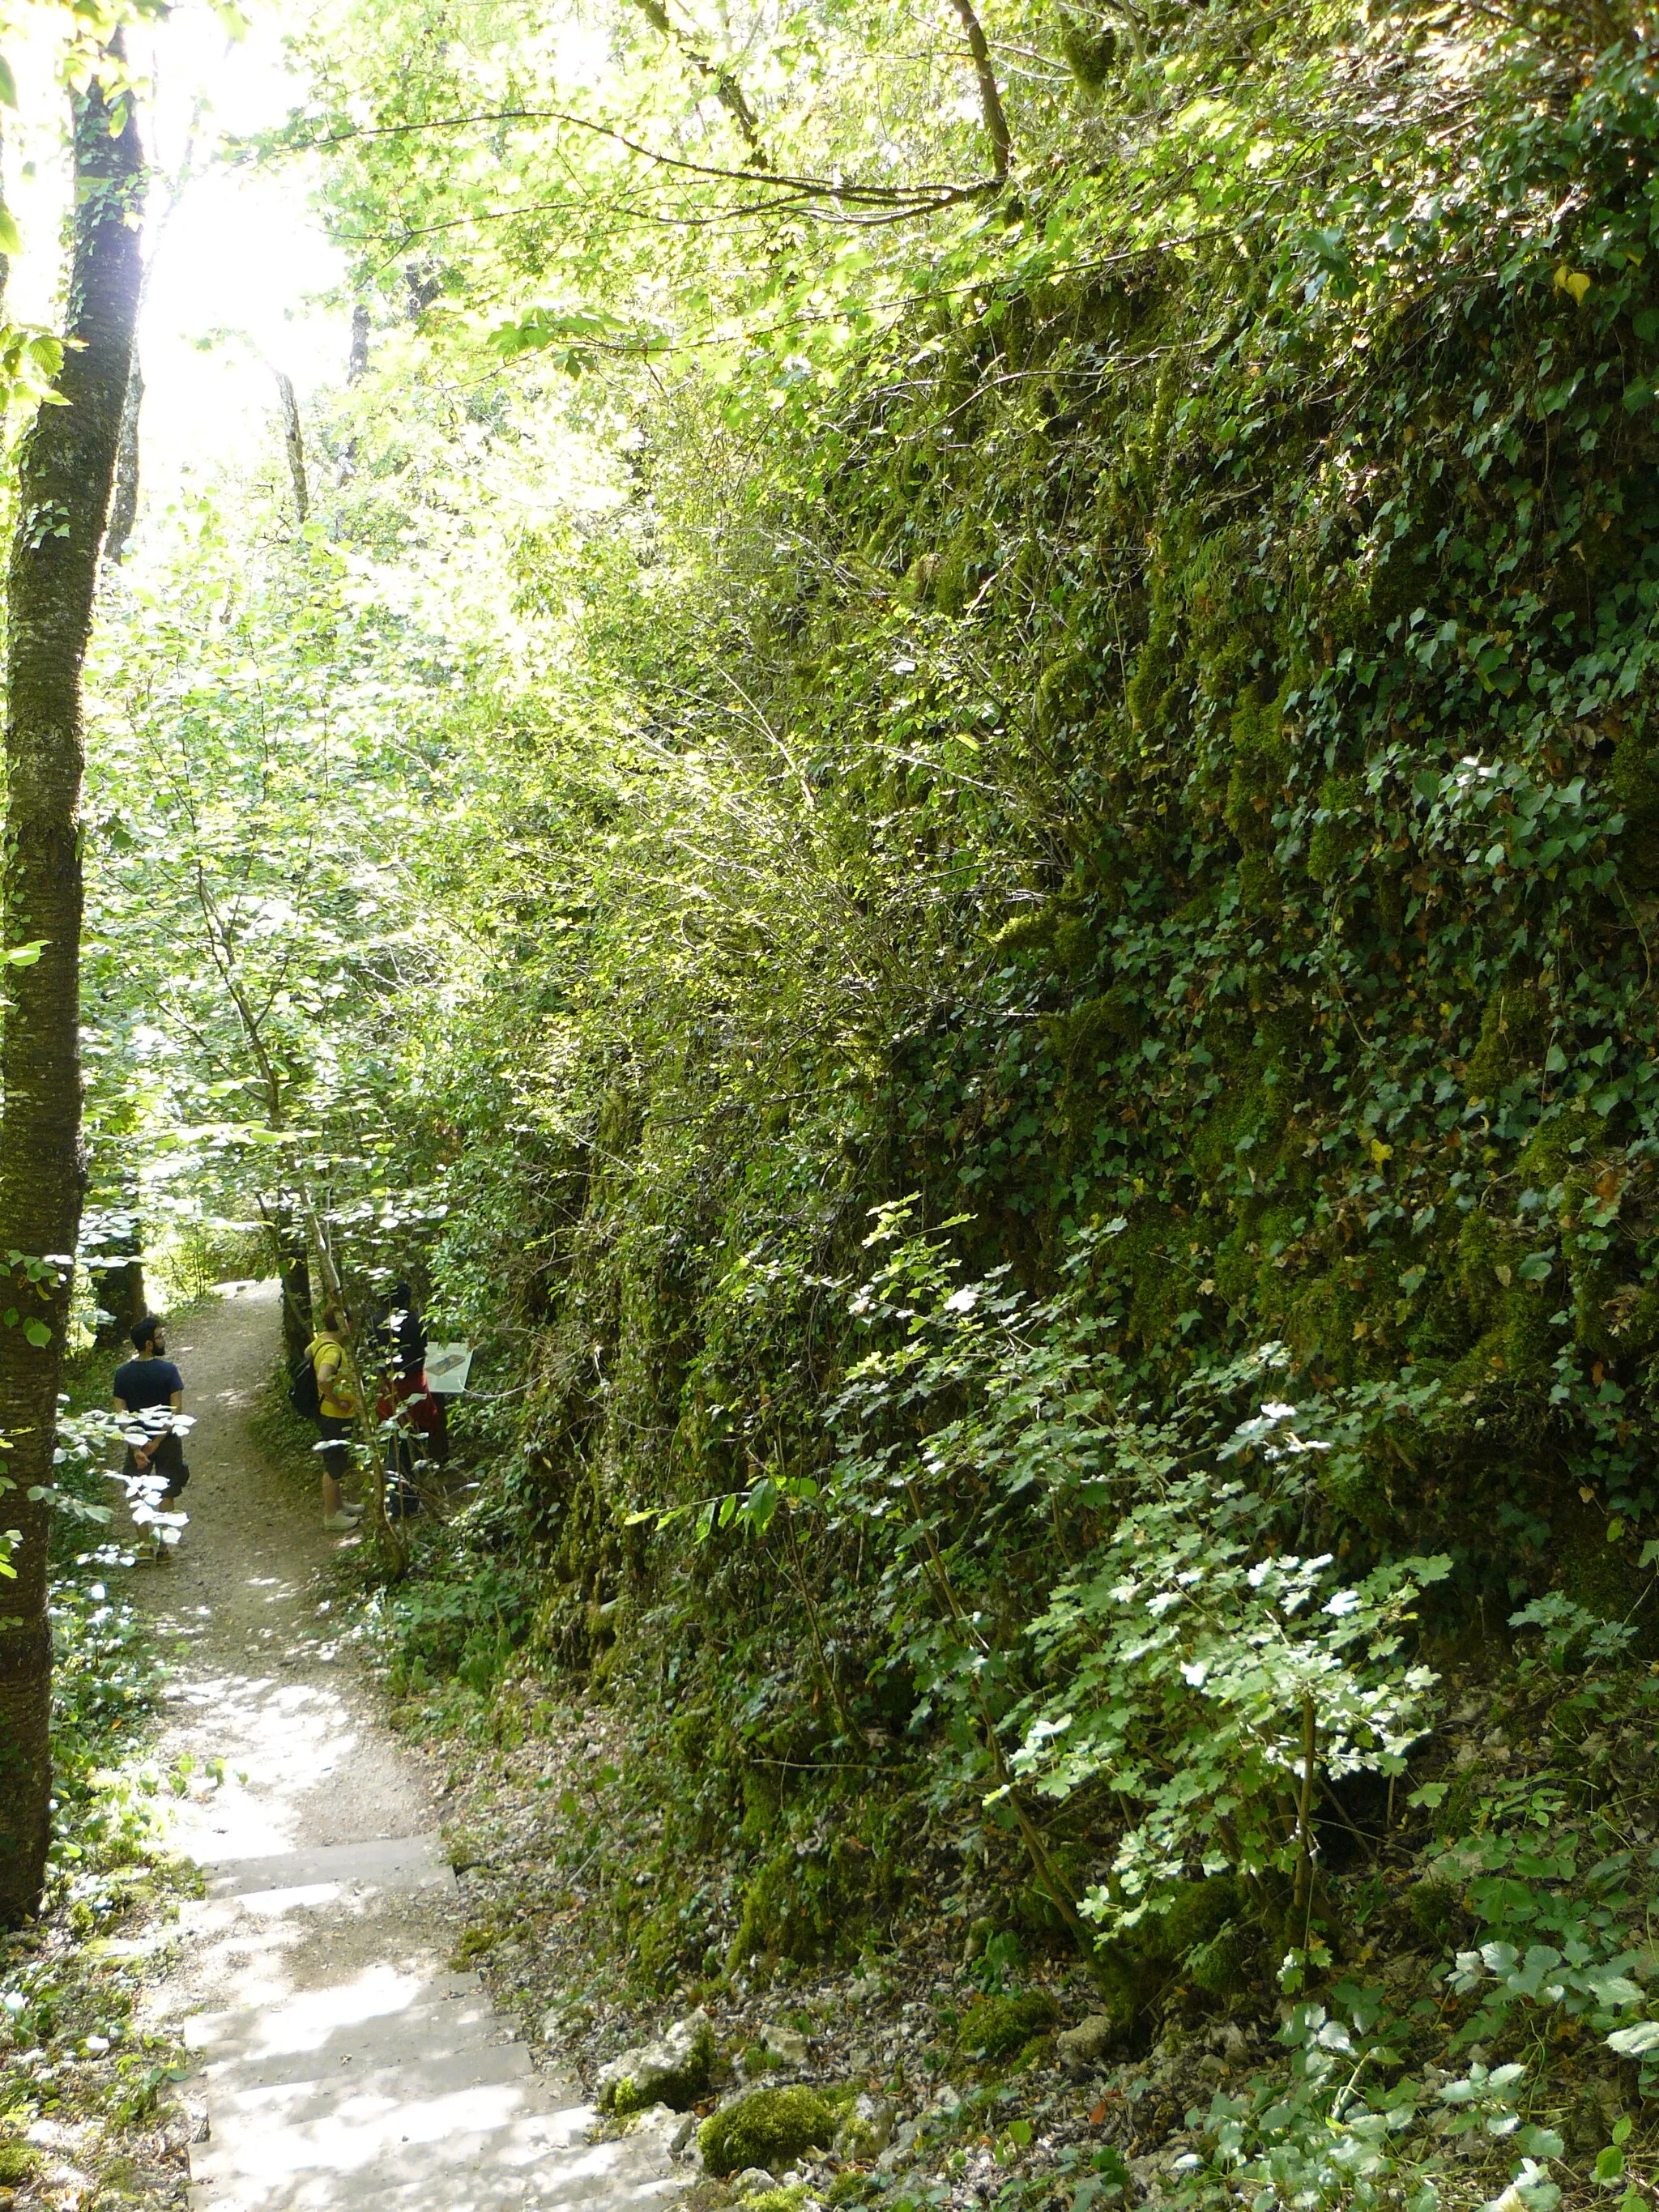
x=753, y=2181
x=657, y=2067
x=784, y=2043
x=1088, y=2043
x=865, y=2130
x=670, y=2129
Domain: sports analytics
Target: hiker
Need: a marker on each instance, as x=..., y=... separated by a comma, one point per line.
x=411, y=1417
x=399, y=1334
x=337, y=1403
x=151, y=1390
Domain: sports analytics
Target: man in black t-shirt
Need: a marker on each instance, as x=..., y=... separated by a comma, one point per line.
x=144, y=1386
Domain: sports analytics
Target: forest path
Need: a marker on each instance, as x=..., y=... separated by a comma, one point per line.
x=340, y=2063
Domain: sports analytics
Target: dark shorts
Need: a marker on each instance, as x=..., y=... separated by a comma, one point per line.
x=336, y=1456
x=167, y=1460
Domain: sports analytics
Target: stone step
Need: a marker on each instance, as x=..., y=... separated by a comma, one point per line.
x=248, y=2098
x=382, y=2019
x=394, y=2090
x=486, y=2145
x=403, y=1864
x=481, y=2188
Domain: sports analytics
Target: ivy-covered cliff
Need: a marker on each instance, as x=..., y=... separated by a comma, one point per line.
x=1058, y=1098
x=1163, y=748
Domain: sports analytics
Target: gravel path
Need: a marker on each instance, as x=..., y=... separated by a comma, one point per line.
x=339, y=2062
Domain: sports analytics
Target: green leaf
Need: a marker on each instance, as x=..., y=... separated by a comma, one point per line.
x=37, y=1334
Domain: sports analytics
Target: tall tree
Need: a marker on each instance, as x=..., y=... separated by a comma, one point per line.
x=66, y=469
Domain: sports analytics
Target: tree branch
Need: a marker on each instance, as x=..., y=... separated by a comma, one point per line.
x=922, y=197
x=990, y=100
x=726, y=88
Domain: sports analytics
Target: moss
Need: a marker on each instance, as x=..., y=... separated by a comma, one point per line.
x=997, y=2027
x=777, y=2200
x=1032, y=930
x=1633, y=773
x=1089, y=1033
x=1090, y=49
x=768, y=2128
x=18, y=2160
x=1206, y=1937
x=1065, y=693
x=1436, y=1908
x=1255, y=777
x=1151, y=1261
x=1220, y=1965
x=1074, y=943
x=960, y=571
x=1515, y=1035
x=667, y=1941
x=800, y=1907
x=1339, y=829
x=1601, y=1577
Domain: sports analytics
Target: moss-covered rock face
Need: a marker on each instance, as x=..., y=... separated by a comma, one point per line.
x=799, y=1906
x=768, y=2128
x=1207, y=1939
x=675, y=2070
x=993, y=2028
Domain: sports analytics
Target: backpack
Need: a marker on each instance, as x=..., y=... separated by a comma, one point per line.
x=302, y=1392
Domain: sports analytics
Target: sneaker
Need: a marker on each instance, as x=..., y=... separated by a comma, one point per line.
x=344, y=1523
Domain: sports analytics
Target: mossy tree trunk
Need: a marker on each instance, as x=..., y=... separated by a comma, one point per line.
x=64, y=474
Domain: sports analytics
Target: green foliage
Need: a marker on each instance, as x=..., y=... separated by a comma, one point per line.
x=768, y=2128
x=1105, y=727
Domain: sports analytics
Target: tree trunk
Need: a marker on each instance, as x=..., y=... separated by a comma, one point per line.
x=295, y=445
x=119, y=1285
x=357, y=360
x=65, y=473
x=294, y=1272
x=990, y=98
x=123, y=507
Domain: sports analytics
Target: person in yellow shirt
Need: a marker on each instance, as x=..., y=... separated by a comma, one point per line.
x=338, y=1394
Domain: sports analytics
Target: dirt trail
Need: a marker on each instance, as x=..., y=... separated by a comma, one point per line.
x=268, y=1686
x=339, y=2062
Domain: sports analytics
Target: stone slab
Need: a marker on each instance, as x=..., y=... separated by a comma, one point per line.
x=404, y=1864
x=383, y=2018
x=248, y=2098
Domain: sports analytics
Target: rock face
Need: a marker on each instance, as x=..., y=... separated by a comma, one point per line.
x=674, y=2070
x=785, y=2045
x=1088, y=2043
x=669, y=2130
x=865, y=2130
